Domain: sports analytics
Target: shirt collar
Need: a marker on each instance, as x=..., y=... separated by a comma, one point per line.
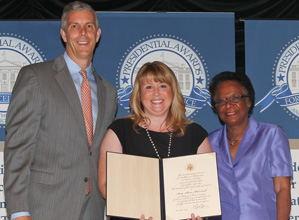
x=74, y=68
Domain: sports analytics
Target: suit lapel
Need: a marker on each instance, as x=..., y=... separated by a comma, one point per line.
x=101, y=106
x=65, y=81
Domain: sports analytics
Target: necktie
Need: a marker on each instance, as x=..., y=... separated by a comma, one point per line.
x=87, y=112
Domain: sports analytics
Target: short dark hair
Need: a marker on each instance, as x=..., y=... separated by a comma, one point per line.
x=232, y=76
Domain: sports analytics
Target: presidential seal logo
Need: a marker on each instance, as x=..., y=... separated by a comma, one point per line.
x=15, y=52
x=181, y=56
x=285, y=78
x=190, y=167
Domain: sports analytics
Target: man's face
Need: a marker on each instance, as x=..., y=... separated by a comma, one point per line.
x=80, y=36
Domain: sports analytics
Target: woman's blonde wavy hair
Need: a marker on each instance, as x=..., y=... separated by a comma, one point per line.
x=159, y=72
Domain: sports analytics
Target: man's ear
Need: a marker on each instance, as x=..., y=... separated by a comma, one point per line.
x=98, y=34
x=63, y=35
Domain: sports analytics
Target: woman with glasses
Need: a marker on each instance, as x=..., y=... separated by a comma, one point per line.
x=253, y=158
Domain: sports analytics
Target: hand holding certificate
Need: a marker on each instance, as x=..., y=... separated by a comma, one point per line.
x=167, y=189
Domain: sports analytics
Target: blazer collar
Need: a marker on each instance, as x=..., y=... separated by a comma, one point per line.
x=66, y=83
x=247, y=140
x=67, y=86
x=224, y=148
x=244, y=146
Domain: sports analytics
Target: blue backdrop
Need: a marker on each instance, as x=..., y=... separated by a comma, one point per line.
x=195, y=45
x=271, y=52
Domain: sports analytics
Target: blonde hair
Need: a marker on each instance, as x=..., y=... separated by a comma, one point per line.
x=159, y=72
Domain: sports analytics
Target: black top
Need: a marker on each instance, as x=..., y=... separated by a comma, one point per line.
x=139, y=144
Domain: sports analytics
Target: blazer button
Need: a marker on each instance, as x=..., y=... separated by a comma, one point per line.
x=85, y=179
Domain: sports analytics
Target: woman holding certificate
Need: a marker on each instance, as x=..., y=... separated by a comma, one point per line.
x=157, y=126
x=253, y=158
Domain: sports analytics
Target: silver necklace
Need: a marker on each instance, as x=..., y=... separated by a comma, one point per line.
x=150, y=138
x=232, y=142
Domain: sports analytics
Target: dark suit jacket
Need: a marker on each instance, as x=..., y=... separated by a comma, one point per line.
x=46, y=155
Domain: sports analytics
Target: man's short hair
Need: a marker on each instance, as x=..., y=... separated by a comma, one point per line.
x=77, y=6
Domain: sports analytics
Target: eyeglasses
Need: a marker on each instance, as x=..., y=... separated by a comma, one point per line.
x=233, y=99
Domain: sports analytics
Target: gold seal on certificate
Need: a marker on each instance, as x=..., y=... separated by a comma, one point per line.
x=190, y=167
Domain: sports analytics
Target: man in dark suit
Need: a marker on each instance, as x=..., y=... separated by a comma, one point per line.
x=53, y=140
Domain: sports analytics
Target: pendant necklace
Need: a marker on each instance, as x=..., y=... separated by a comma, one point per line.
x=150, y=138
x=232, y=142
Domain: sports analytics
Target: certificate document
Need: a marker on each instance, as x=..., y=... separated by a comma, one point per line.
x=167, y=189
